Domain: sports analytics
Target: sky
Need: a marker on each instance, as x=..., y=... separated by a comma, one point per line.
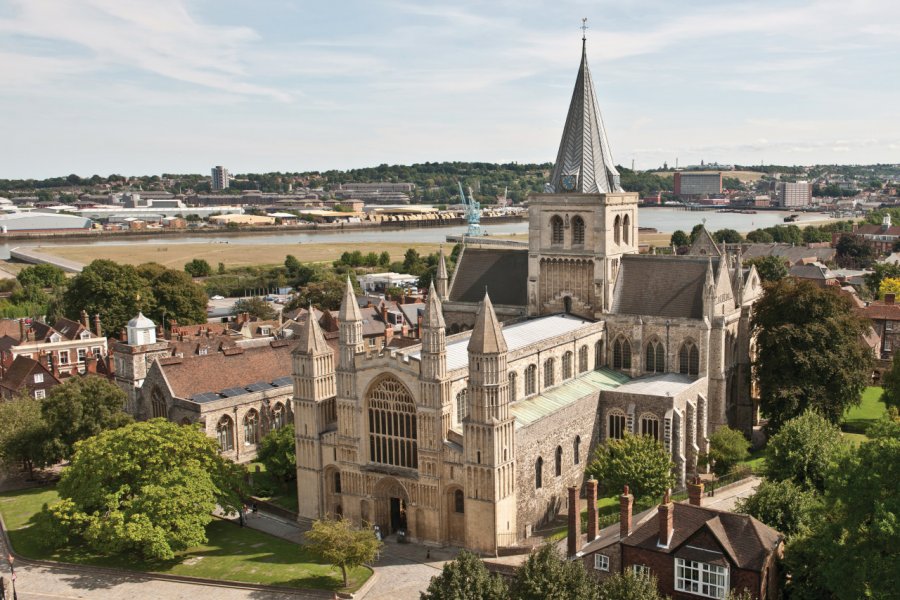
x=176, y=86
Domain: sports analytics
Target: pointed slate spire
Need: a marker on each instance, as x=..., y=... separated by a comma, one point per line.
x=487, y=337
x=710, y=277
x=584, y=163
x=434, y=312
x=442, y=275
x=312, y=340
x=349, y=308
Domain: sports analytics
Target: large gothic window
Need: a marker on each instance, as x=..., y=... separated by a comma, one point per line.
x=626, y=229
x=158, y=404
x=617, y=229
x=512, y=386
x=225, y=434
x=567, y=365
x=392, y=425
x=622, y=354
x=616, y=425
x=577, y=231
x=689, y=359
x=548, y=372
x=251, y=428
x=650, y=426
x=556, y=230
x=582, y=359
x=654, y=361
x=531, y=380
x=462, y=405
x=278, y=416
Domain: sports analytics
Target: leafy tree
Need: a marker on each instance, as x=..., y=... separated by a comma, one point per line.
x=628, y=586
x=680, y=239
x=854, y=253
x=783, y=505
x=889, y=285
x=339, y=543
x=178, y=297
x=760, y=236
x=637, y=461
x=881, y=271
x=256, y=307
x=292, y=265
x=803, y=450
x=548, y=576
x=198, y=268
x=115, y=292
x=465, y=578
x=150, y=270
x=147, y=489
x=80, y=408
x=326, y=294
x=696, y=231
x=809, y=352
x=728, y=236
x=770, y=268
x=384, y=259
x=42, y=276
x=279, y=454
x=221, y=269
x=727, y=447
x=891, y=385
x=24, y=439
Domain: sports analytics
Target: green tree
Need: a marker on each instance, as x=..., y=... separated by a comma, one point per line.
x=339, y=543
x=727, y=447
x=854, y=253
x=548, y=576
x=760, y=236
x=695, y=231
x=628, y=586
x=115, y=292
x=728, y=236
x=810, y=353
x=178, y=297
x=680, y=239
x=891, y=385
x=783, y=505
x=24, y=439
x=42, y=276
x=770, y=268
x=292, y=265
x=80, y=408
x=277, y=451
x=465, y=578
x=147, y=489
x=256, y=307
x=326, y=294
x=221, y=269
x=198, y=268
x=881, y=271
x=384, y=259
x=637, y=461
x=803, y=450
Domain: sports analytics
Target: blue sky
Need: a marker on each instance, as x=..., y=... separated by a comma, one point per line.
x=153, y=86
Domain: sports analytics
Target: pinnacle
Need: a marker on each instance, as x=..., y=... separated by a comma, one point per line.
x=434, y=312
x=487, y=337
x=349, y=308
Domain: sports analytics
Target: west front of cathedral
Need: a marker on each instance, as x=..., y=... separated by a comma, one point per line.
x=530, y=357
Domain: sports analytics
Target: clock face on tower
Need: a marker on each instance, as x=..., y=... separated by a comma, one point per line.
x=568, y=182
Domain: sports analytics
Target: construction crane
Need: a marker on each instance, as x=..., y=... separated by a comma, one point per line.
x=473, y=213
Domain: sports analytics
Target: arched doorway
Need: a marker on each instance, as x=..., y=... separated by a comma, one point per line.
x=391, y=506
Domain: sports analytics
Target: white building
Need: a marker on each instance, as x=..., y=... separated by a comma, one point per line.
x=379, y=282
x=220, y=178
x=794, y=194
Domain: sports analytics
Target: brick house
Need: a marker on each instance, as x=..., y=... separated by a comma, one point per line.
x=885, y=317
x=26, y=375
x=694, y=552
x=64, y=346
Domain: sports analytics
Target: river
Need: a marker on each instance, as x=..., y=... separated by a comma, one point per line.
x=665, y=220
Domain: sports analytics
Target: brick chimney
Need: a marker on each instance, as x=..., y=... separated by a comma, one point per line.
x=388, y=333
x=889, y=298
x=695, y=491
x=90, y=364
x=21, y=330
x=592, y=509
x=84, y=320
x=666, y=520
x=123, y=335
x=98, y=330
x=574, y=521
x=626, y=501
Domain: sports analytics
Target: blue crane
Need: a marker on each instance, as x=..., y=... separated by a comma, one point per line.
x=473, y=213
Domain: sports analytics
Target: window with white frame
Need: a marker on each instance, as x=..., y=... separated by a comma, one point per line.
x=40, y=394
x=64, y=357
x=889, y=325
x=701, y=578
x=39, y=378
x=887, y=345
x=601, y=562
x=82, y=354
x=641, y=570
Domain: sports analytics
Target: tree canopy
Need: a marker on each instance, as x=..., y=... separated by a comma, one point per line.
x=680, y=239
x=810, y=353
x=198, y=268
x=548, y=576
x=628, y=586
x=24, y=439
x=115, y=292
x=770, y=268
x=783, y=505
x=277, y=451
x=803, y=450
x=339, y=543
x=727, y=447
x=179, y=298
x=465, y=578
x=891, y=385
x=637, y=461
x=255, y=307
x=147, y=489
x=43, y=276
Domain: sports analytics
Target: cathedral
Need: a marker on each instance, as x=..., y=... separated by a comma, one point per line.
x=530, y=357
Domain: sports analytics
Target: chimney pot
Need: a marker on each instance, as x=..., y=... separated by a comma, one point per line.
x=592, y=531
x=666, y=518
x=695, y=492
x=626, y=501
x=574, y=521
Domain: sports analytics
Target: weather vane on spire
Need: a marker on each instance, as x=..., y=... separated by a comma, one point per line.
x=584, y=29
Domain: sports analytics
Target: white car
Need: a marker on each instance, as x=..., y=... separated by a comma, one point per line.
x=217, y=297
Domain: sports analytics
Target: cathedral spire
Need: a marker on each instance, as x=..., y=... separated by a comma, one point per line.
x=349, y=308
x=487, y=337
x=433, y=317
x=442, y=275
x=584, y=163
x=312, y=340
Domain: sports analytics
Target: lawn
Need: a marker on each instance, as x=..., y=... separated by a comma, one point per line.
x=859, y=418
x=232, y=553
x=271, y=489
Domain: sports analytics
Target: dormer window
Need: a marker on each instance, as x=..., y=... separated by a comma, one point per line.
x=39, y=378
x=55, y=338
x=85, y=335
x=203, y=351
x=265, y=330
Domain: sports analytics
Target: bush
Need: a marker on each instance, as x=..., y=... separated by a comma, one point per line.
x=727, y=447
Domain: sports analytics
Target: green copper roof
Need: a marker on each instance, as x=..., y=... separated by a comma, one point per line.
x=534, y=408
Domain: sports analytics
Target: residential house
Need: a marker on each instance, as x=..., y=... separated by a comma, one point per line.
x=26, y=376
x=66, y=344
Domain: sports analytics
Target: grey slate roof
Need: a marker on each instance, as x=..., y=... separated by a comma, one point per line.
x=660, y=286
x=502, y=271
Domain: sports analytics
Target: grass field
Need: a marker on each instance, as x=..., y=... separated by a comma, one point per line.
x=272, y=490
x=232, y=553
x=859, y=418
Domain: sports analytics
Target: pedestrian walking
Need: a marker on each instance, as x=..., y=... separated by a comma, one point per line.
x=254, y=508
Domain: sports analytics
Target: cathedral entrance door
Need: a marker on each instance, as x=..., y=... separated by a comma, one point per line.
x=398, y=515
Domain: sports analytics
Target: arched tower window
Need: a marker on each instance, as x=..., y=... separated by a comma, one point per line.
x=650, y=425
x=582, y=359
x=278, y=416
x=626, y=229
x=577, y=231
x=689, y=359
x=621, y=353
x=539, y=473
x=459, y=501
x=337, y=482
x=392, y=425
x=158, y=404
x=251, y=428
x=548, y=372
x=576, y=449
x=225, y=434
x=558, y=461
x=655, y=358
x=567, y=365
x=556, y=230
x=615, y=425
x=462, y=405
x=512, y=386
x=617, y=230
x=531, y=380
